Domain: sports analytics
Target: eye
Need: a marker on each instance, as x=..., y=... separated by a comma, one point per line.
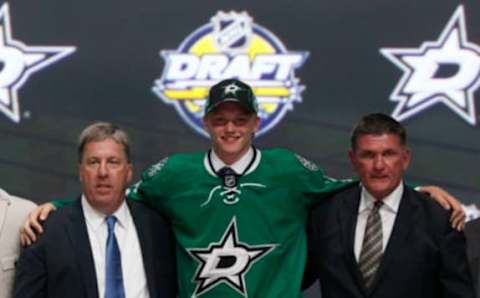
x=366, y=154
x=92, y=162
x=390, y=153
x=241, y=121
x=219, y=121
x=114, y=161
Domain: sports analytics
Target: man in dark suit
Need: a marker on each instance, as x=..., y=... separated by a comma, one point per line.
x=472, y=233
x=102, y=245
x=380, y=239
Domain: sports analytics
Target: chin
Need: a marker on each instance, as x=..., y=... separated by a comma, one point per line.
x=230, y=149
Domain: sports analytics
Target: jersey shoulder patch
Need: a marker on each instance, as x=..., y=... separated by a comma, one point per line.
x=309, y=165
x=153, y=170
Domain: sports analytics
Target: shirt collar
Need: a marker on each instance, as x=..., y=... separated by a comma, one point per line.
x=239, y=166
x=96, y=218
x=390, y=202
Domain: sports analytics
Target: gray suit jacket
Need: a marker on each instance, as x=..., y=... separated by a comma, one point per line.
x=13, y=212
x=472, y=232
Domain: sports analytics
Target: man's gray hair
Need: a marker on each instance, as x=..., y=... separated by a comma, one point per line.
x=100, y=131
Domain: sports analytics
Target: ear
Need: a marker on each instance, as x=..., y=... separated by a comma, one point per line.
x=353, y=160
x=351, y=155
x=258, y=121
x=80, y=172
x=129, y=173
x=406, y=157
x=205, y=122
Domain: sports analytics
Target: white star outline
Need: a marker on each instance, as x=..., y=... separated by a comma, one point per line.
x=26, y=60
x=208, y=275
x=452, y=40
x=231, y=88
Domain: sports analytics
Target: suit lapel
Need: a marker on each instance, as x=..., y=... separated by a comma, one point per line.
x=143, y=228
x=404, y=222
x=348, y=221
x=78, y=234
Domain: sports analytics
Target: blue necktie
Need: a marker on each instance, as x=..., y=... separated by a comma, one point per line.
x=113, y=264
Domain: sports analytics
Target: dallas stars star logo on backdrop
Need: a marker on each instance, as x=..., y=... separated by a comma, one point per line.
x=227, y=261
x=443, y=71
x=19, y=63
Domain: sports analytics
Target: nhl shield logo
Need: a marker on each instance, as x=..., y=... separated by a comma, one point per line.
x=232, y=31
x=230, y=181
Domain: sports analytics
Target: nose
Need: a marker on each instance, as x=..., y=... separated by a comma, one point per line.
x=379, y=163
x=103, y=169
x=230, y=126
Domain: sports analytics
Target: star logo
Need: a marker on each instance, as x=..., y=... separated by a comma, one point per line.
x=231, y=88
x=19, y=62
x=443, y=71
x=227, y=261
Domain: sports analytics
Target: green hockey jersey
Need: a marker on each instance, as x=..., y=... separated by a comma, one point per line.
x=243, y=241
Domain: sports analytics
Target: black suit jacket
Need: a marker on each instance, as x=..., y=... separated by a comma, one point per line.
x=472, y=232
x=60, y=264
x=424, y=258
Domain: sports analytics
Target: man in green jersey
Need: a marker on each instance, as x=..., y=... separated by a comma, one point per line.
x=238, y=213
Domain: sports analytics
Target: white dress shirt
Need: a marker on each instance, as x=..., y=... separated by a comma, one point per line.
x=240, y=165
x=388, y=213
x=134, y=280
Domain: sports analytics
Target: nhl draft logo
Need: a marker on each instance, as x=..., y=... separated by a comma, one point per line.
x=18, y=62
x=443, y=71
x=231, y=46
x=227, y=261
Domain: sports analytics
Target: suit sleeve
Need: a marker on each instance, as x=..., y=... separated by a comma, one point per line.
x=455, y=276
x=31, y=272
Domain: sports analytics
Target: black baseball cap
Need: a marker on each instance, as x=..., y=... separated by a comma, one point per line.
x=231, y=90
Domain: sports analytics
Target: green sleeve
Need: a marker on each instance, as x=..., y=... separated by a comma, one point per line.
x=325, y=187
x=413, y=186
x=59, y=203
x=322, y=186
x=315, y=185
x=152, y=189
x=149, y=190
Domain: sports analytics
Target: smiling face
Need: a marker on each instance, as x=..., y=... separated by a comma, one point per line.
x=105, y=173
x=380, y=161
x=231, y=128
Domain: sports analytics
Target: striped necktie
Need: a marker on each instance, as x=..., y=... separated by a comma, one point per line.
x=372, y=252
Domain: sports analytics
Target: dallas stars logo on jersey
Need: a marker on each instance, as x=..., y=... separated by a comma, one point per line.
x=227, y=261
